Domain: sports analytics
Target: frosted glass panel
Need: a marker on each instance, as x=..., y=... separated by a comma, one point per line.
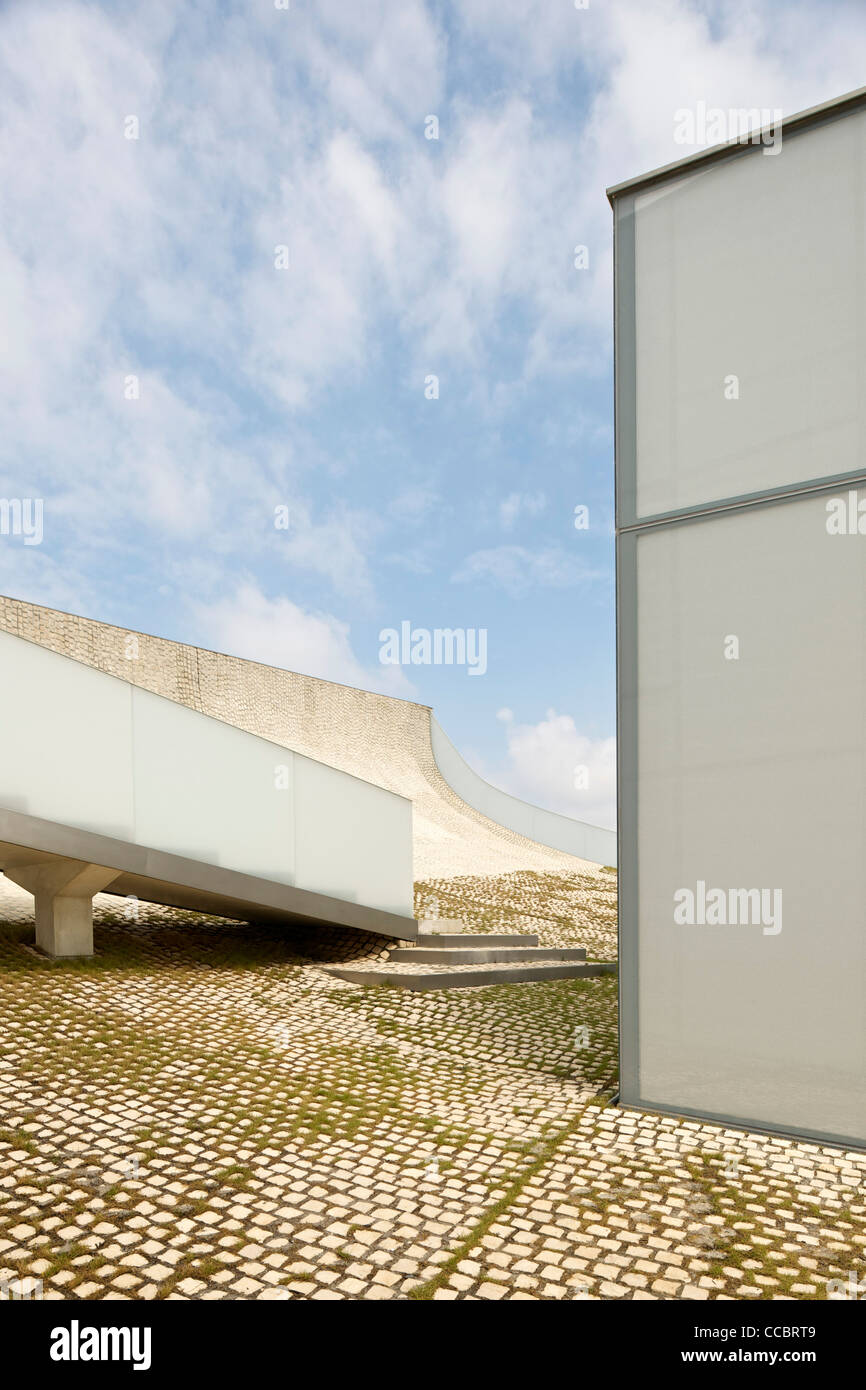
x=84, y=749
x=208, y=791
x=352, y=839
x=591, y=842
x=752, y=269
x=65, y=748
x=752, y=775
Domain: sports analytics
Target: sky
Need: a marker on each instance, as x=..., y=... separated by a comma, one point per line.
x=298, y=346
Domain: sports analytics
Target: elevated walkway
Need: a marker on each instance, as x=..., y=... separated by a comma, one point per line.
x=460, y=824
x=105, y=787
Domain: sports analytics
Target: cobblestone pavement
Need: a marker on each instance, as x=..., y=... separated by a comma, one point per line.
x=563, y=909
x=201, y=1112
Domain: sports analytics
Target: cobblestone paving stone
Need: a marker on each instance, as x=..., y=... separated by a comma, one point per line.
x=201, y=1112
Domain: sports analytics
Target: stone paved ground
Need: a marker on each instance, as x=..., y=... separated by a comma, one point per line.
x=201, y=1112
x=563, y=909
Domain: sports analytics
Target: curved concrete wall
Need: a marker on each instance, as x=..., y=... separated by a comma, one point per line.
x=85, y=749
x=575, y=837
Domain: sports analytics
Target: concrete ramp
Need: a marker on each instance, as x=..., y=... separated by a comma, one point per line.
x=105, y=786
x=461, y=825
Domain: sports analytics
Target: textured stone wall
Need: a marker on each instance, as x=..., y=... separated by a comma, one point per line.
x=376, y=737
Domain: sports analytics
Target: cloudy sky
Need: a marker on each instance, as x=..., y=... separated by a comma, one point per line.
x=232, y=260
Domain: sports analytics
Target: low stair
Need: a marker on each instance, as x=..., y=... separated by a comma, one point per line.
x=446, y=957
x=483, y=954
x=465, y=938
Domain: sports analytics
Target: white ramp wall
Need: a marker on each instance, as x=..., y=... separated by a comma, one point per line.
x=591, y=842
x=88, y=750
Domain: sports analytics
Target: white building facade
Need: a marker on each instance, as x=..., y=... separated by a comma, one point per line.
x=741, y=540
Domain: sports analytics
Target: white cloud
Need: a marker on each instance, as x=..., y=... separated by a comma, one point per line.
x=175, y=232
x=26, y=570
x=517, y=569
x=545, y=761
x=638, y=63
x=280, y=633
x=413, y=504
x=260, y=127
x=333, y=547
x=520, y=503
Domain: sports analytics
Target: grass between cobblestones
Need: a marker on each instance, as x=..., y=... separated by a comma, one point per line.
x=201, y=1112
x=545, y=1152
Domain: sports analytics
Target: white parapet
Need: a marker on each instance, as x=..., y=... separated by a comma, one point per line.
x=591, y=842
x=87, y=750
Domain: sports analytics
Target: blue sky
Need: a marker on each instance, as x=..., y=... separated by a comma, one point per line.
x=304, y=387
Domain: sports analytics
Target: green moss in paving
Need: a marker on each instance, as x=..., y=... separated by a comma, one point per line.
x=217, y=1056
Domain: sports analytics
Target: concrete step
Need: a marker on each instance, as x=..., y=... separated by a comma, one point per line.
x=483, y=955
x=483, y=939
x=434, y=925
x=467, y=977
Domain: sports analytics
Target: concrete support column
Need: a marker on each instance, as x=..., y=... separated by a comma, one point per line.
x=63, y=889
